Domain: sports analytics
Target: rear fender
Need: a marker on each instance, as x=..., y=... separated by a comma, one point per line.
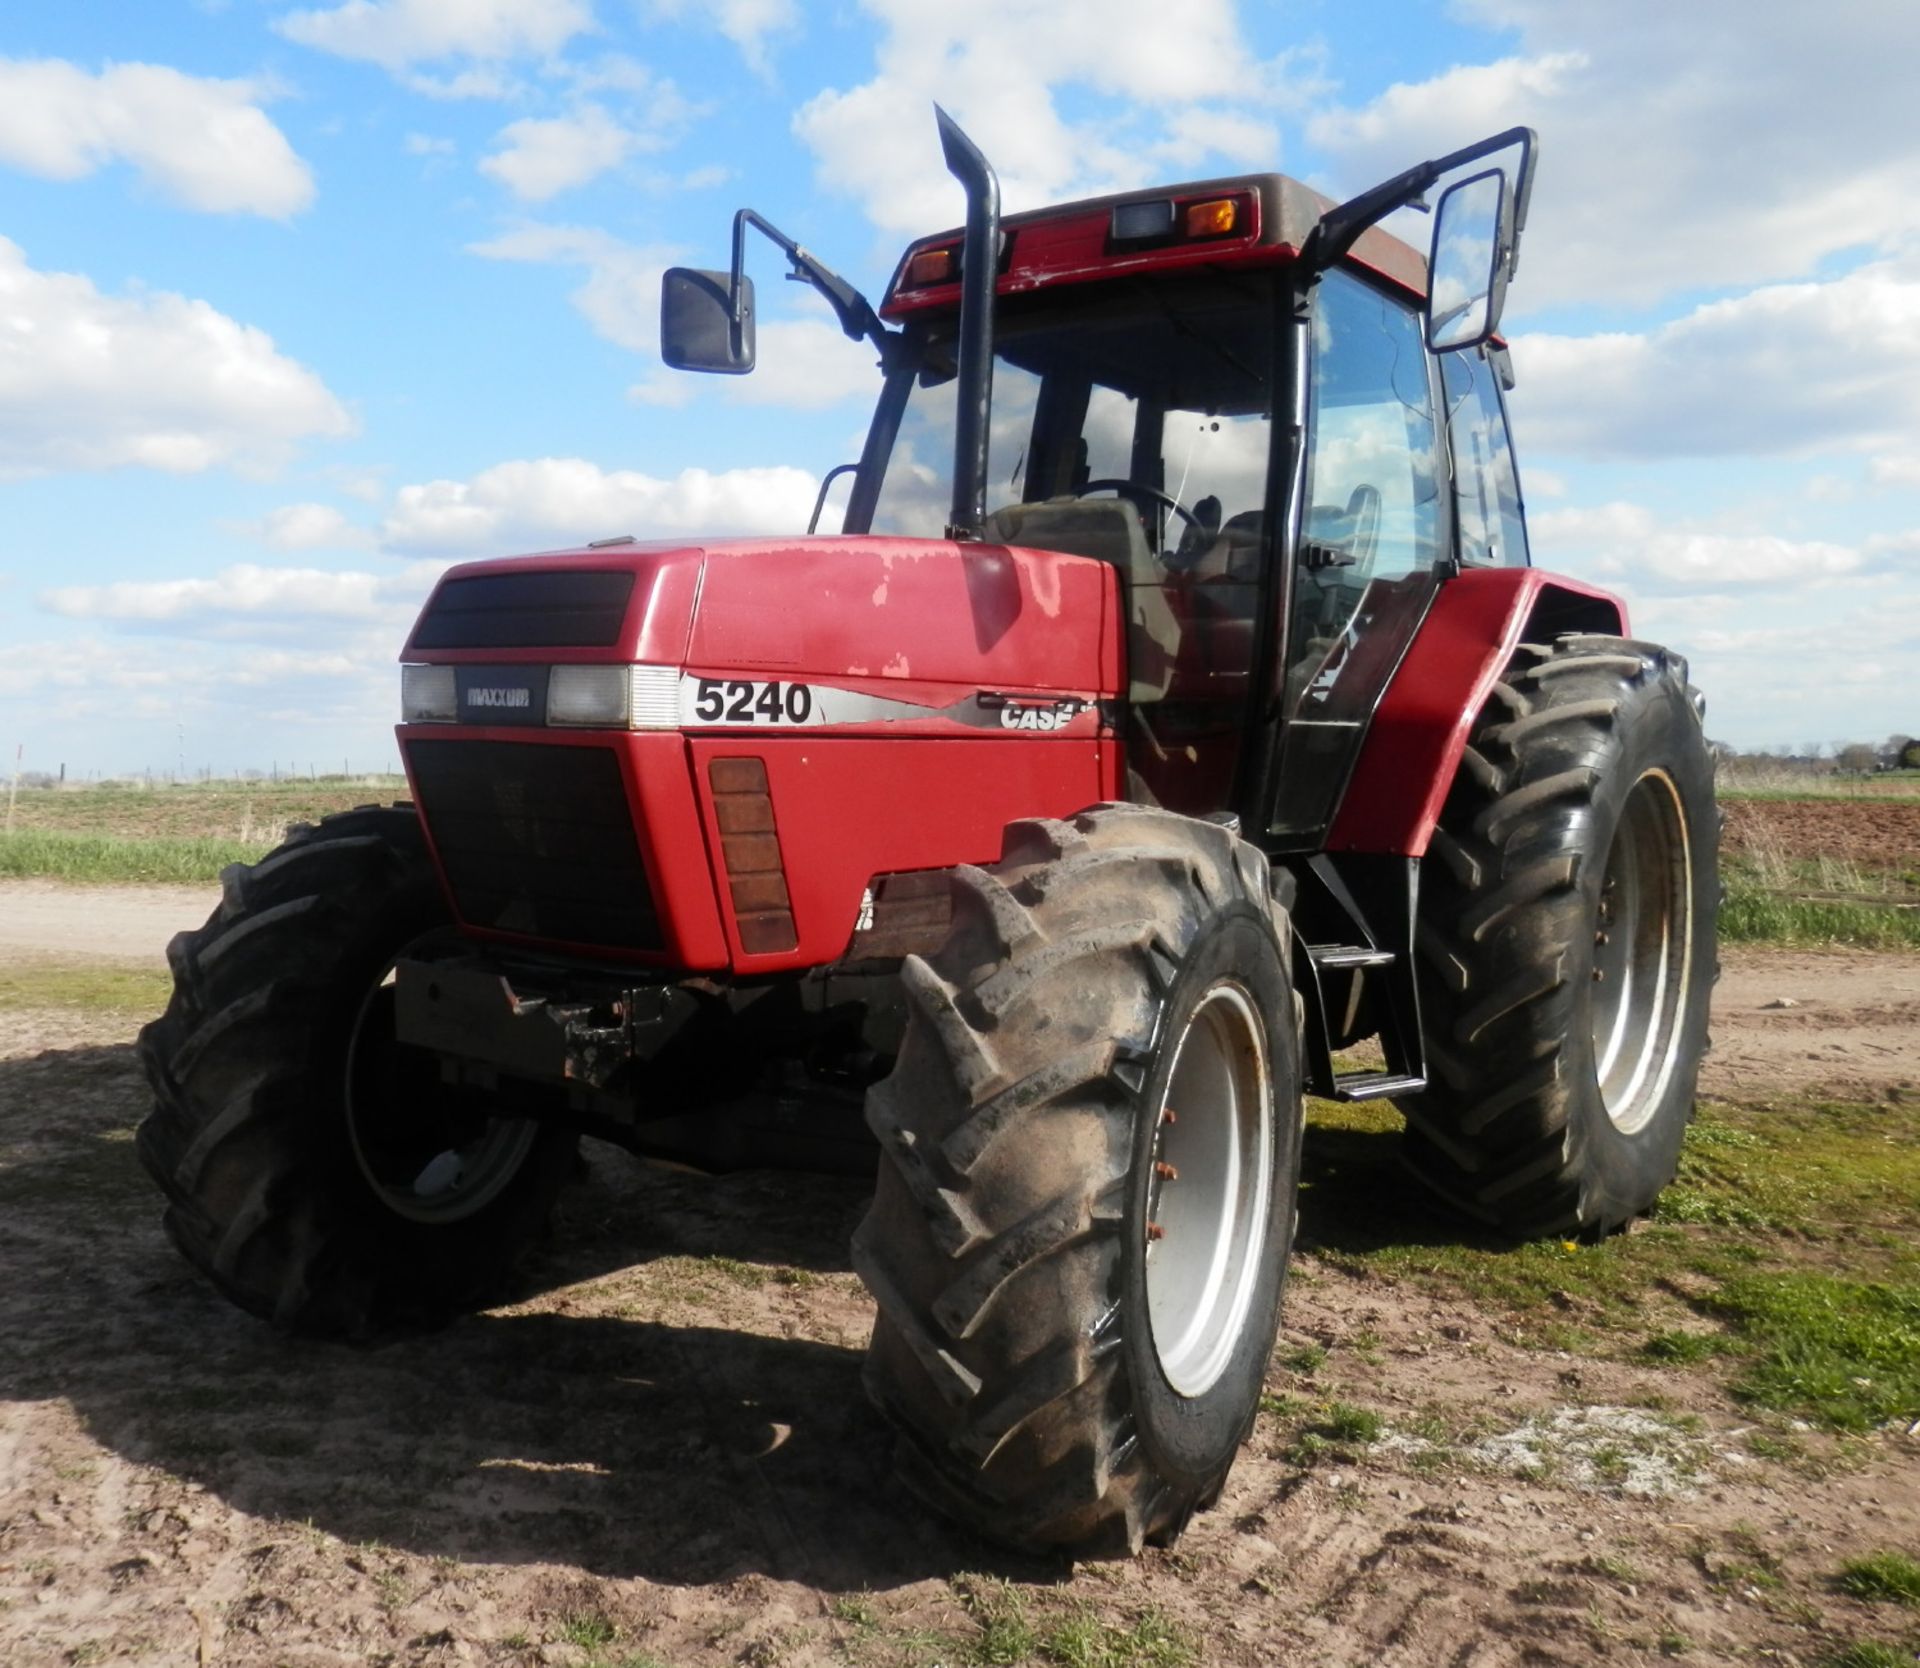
x=1419, y=730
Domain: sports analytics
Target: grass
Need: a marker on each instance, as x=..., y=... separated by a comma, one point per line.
x=104, y=989
x=184, y=834
x=588, y=1630
x=1751, y=914
x=253, y=813
x=1735, y=1275
x=1868, y=1654
x=1881, y=1577
x=1843, y=1353
x=1012, y=1631
x=93, y=859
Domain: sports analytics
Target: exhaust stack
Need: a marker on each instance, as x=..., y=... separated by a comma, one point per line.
x=979, y=266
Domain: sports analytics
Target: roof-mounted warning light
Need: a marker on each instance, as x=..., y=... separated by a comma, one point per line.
x=1164, y=220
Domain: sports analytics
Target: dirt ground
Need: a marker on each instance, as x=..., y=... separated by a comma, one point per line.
x=1872, y=834
x=661, y=1455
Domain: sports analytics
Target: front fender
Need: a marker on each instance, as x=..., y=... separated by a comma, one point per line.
x=1419, y=729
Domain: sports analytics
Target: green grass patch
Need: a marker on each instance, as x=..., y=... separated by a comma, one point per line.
x=107, y=989
x=1841, y=1353
x=1752, y=915
x=1736, y=1273
x=252, y=813
x=1868, y=1653
x=1883, y=1577
x=94, y=859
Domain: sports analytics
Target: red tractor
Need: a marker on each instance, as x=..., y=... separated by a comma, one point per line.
x=1069, y=839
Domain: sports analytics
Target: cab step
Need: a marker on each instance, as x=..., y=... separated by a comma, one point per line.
x=1375, y=1085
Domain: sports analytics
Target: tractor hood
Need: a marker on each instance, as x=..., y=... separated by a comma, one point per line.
x=931, y=627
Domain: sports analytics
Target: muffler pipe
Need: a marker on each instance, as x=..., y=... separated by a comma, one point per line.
x=979, y=268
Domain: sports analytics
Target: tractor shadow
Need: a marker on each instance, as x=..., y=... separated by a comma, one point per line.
x=1357, y=1195
x=676, y=1395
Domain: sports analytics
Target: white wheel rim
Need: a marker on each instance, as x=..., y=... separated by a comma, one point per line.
x=1208, y=1196
x=1643, y=952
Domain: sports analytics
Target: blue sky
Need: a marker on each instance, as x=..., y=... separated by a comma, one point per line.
x=299, y=303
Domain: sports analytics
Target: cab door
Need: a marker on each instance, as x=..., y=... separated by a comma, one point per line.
x=1374, y=525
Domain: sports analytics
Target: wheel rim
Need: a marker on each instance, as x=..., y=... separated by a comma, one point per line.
x=419, y=1144
x=1208, y=1193
x=1642, y=959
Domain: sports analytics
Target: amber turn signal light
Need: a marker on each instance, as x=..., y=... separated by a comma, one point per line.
x=929, y=266
x=1213, y=218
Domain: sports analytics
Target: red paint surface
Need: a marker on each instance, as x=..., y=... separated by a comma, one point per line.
x=1419, y=731
x=848, y=808
x=898, y=617
x=1074, y=248
x=665, y=590
x=907, y=611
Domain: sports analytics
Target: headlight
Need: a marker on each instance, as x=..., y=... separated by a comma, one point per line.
x=427, y=695
x=595, y=696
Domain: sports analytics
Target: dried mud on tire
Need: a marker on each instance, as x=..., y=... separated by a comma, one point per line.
x=662, y=1446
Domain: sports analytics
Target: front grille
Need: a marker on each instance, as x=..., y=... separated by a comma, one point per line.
x=526, y=611
x=537, y=840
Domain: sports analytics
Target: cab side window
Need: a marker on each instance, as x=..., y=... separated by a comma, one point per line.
x=1493, y=530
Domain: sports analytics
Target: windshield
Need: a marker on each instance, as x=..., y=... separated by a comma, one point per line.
x=1131, y=423
x=1161, y=386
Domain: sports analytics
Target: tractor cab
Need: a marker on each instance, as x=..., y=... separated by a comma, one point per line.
x=1225, y=392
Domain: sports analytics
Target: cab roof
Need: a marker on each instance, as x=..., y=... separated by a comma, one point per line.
x=1085, y=241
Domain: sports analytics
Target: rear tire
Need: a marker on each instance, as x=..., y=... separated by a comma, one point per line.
x=319, y=1175
x=1567, y=946
x=1059, y=1379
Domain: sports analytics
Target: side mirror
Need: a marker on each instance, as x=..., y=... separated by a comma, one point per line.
x=697, y=327
x=1473, y=241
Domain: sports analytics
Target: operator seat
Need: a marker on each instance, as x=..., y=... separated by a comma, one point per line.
x=1109, y=530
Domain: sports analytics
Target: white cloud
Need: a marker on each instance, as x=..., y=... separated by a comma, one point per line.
x=539, y=159
x=423, y=144
x=996, y=65
x=1791, y=370
x=1684, y=147
x=244, y=589
x=1626, y=541
x=1894, y=471
x=555, y=501
x=747, y=23
x=621, y=295
x=308, y=527
x=92, y=381
x=203, y=143
x=397, y=34
x=803, y=364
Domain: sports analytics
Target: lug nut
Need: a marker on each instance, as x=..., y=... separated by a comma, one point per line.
x=1168, y=1115
x=1155, y=1231
x=1166, y=1172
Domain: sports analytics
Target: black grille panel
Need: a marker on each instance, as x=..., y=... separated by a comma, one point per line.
x=526, y=611
x=537, y=840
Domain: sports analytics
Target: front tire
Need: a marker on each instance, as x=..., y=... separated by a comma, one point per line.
x=1567, y=945
x=1090, y=1144
x=317, y=1173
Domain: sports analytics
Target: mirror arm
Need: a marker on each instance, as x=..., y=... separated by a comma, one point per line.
x=1340, y=228
x=855, y=312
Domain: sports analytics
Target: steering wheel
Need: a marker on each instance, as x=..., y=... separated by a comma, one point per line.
x=1140, y=489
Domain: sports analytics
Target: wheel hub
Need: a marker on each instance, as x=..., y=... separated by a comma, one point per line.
x=1643, y=947
x=427, y=1155
x=1209, y=1190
